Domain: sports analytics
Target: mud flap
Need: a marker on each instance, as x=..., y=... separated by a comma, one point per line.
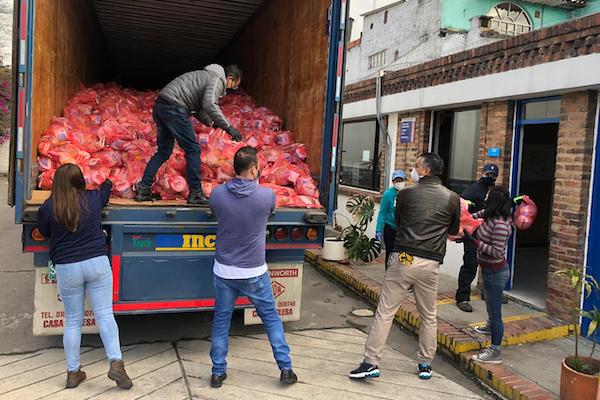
x=49, y=315
x=286, y=281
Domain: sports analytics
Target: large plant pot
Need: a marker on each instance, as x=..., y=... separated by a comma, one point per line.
x=333, y=249
x=575, y=385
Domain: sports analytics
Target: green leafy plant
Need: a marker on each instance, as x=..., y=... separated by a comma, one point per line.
x=358, y=245
x=584, y=284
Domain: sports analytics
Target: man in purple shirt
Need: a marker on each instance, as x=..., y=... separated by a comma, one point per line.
x=242, y=209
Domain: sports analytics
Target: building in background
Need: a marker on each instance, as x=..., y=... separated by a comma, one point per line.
x=6, y=24
x=526, y=101
x=401, y=34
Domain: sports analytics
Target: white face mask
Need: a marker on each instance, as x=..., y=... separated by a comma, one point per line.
x=414, y=175
x=399, y=185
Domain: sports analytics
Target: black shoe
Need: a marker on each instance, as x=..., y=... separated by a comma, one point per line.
x=145, y=194
x=216, y=381
x=288, y=377
x=464, y=306
x=197, y=198
x=365, y=370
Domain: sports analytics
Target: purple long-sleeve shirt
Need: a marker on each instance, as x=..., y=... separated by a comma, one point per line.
x=242, y=209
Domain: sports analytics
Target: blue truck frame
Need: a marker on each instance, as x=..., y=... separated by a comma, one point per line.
x=162, y=256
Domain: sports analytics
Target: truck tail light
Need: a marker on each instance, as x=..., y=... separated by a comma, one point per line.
x=312, y=234
x=296, y=234
x=280, y=234
x=37, y=235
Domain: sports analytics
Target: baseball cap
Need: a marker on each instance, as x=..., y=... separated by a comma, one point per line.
x=490, y=168
x=398, y=174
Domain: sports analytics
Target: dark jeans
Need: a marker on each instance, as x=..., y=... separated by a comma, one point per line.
x=389, y=237
x=493, y=284
x=468, y=271
x=259, y=291
x=173, y=123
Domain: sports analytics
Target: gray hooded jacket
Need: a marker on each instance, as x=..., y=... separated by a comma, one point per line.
x=200, y=91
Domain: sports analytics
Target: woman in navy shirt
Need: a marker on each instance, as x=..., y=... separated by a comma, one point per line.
x=71, y=219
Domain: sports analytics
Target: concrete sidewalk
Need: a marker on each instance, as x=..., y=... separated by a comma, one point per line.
x=181, y=370
x=527, y=331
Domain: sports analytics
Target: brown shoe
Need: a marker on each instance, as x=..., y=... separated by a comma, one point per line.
x=117, y=373
x=75, y=378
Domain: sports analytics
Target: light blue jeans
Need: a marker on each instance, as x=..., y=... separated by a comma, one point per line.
x=95, y=275
x=259, y=291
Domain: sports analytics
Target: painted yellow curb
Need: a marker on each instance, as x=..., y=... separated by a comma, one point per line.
x=411, y=321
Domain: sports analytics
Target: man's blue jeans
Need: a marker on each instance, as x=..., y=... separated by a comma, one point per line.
x=173, y=123
x=493, y=284
x=259, y=291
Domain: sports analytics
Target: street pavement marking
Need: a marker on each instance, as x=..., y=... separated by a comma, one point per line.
x=39, y=375
x=11, y=359
x=514, y=318
x=143, y=362
x=54, y=386
x=48, y=357
x=348, y=332
x=145, y=383
x=321, y=358
x=175, y=390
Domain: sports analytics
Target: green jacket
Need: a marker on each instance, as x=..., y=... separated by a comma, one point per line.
x=387, y=210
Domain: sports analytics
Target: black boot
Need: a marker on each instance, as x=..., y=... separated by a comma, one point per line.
x=145, y=194
x=197, y=198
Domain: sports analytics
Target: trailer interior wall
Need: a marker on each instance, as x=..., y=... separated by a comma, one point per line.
x=68, y=50
x=282, y=51
x=281, y=46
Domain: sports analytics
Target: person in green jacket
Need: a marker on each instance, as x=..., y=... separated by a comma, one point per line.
x=386, y=220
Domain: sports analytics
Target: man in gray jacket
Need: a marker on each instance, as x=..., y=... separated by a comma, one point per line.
x=193, y=92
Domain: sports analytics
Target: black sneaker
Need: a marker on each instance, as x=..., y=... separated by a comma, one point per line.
x=288, y=377
x=216, y=381
x=197, y=198
x=484, y=330
x=464, y=306
x=143, y=194
x=424, y=371
x=365, y=370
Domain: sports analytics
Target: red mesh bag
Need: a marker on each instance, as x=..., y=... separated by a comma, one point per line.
x=525, y=213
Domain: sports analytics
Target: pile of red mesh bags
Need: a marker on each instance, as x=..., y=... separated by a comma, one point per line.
x=110, y=133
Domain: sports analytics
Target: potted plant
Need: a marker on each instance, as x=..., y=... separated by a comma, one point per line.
x=358, y=245
x=579, y=374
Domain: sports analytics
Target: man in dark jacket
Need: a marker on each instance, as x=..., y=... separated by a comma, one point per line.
x=242, y=208
x=193, y=92
x=425, y=214
x=475, y=194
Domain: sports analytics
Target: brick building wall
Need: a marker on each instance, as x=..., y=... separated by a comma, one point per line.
x=407, y=153
x=571, y=196
x=496, y=132
x=571, y=39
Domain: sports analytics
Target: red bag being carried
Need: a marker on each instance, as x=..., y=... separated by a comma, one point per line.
x=467, y=222
x=525, y=213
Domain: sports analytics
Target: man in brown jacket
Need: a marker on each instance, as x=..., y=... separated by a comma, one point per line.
x=425, y=214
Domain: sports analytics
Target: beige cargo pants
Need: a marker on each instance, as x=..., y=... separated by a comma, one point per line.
x=422, y=274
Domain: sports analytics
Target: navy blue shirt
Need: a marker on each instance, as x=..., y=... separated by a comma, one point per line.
x=88, y=241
